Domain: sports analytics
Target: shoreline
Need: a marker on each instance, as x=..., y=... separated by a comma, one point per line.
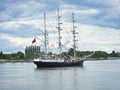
x=26, y=60
x=13, y=61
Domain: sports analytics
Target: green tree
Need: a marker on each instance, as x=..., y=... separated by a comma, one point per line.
x=114, y=54
x=50, y=53
x=20, y=55
x=100, y=54
x=71, y=51
x=64, y=54
x=1, y=55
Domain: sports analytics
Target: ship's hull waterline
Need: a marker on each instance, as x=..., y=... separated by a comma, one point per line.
x=41, y=64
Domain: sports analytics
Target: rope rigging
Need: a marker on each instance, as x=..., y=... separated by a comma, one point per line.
x=80, y=43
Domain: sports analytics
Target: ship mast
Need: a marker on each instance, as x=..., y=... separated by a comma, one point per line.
x=74, y=35
x=45, y=34
x=59, y=33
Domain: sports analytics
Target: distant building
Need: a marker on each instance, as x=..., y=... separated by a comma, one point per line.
x=29, y=50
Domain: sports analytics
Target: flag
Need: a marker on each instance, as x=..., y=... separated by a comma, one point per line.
x=33, y=41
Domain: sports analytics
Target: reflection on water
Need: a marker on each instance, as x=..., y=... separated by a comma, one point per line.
x=94, y=75
x=60, y=68
x=60, y=77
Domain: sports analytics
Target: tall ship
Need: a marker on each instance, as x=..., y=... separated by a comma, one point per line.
x=58, y=61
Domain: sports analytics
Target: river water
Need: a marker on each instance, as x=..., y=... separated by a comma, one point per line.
x=94, y=75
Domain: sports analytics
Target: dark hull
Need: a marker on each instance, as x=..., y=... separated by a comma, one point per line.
x=58, y=64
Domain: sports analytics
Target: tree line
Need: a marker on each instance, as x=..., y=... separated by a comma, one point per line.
x=96, y=55
x=16, y=56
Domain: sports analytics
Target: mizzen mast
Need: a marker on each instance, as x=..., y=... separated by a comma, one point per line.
x=74, y=35
x=59, y=33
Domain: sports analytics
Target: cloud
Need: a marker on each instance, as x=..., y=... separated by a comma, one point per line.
x=94, y=37
x=16, y=41
x=111, y=10
x=68, y=9
x=108, y=2
x=97, y=23
x=19, y=23
x=13, y=44
x=89, y=11
x=113, y=13
x=100, y=37
x=16, y=10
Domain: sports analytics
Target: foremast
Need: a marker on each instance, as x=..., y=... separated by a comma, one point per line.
x=46, y=35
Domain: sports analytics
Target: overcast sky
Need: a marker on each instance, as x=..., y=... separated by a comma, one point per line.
x=97, y=21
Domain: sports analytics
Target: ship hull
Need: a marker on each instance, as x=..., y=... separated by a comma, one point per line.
x=41, y=64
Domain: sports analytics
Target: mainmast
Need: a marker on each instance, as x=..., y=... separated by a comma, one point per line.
x=45, y=34
x=74, y=35
x=59, y=34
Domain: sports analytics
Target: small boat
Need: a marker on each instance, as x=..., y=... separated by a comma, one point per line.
x=55, y=61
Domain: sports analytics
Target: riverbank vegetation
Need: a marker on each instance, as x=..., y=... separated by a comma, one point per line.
x=20, y=56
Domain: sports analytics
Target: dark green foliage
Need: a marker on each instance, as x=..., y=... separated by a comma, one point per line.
x=1, y=55
x=64, y=54
x=50, y=53
x=18, y=55
x=114, y=54
x=70, y=52
x=78, y=53
x=96, y=55
x=83, y=53
x=37, y=53
x=100, y=54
